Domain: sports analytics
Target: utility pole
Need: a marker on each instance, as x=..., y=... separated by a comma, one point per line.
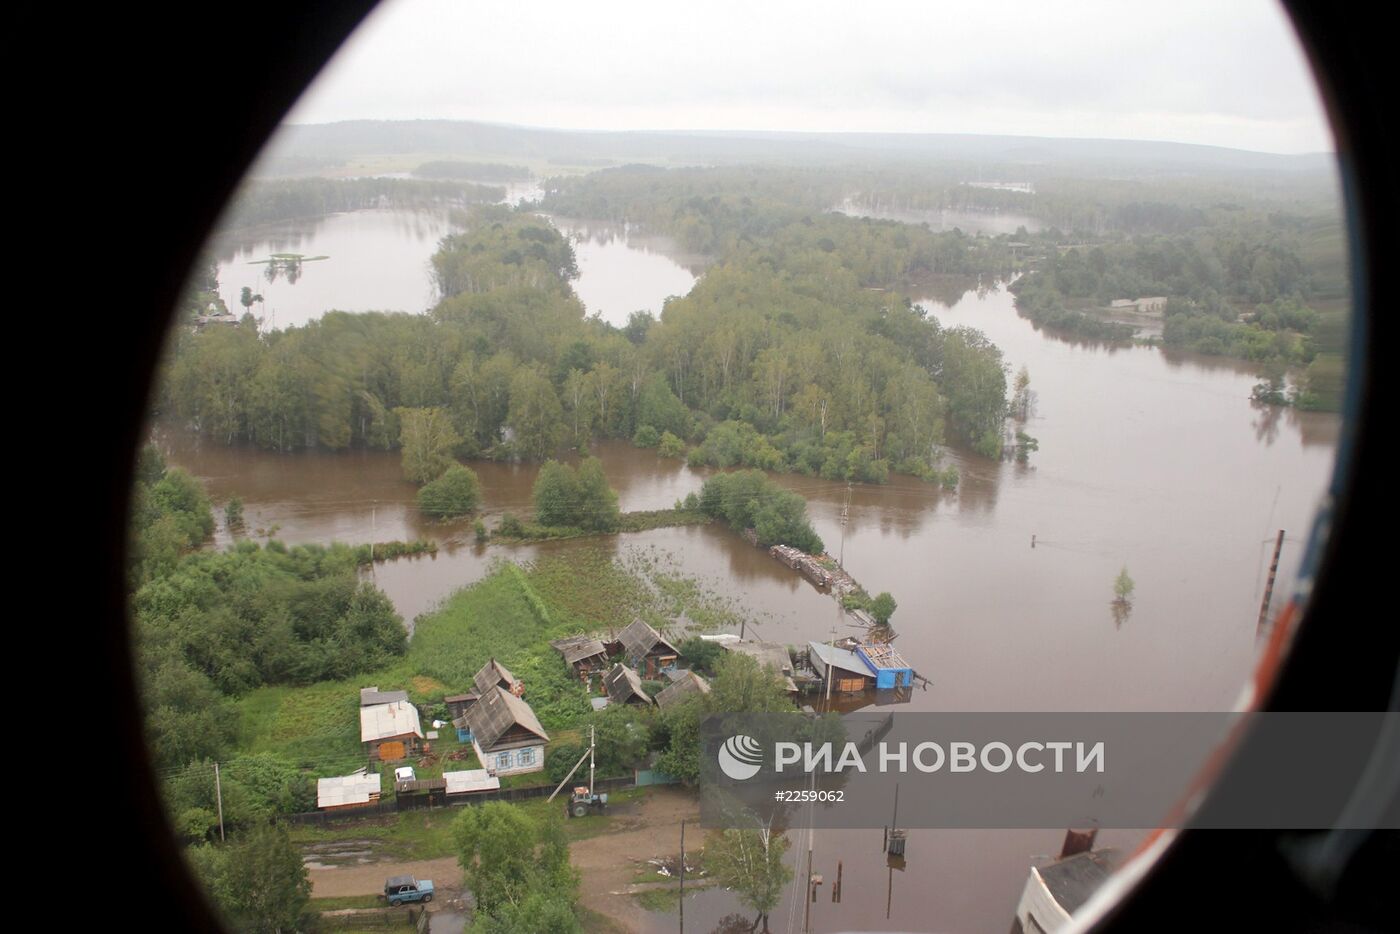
x=592, y=761
x=219, y=797
x=373, y=531
x=1269, y=585
x=682, y=875
x=831, y=663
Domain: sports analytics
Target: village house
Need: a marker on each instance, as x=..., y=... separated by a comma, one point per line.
x=845, y=670
x=390, y=731
x=684, y=687
x=582, y=654
x=506, y=735
x=624, y=686
x=643, y=648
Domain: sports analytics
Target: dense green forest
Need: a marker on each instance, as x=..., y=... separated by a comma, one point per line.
x=795, y=332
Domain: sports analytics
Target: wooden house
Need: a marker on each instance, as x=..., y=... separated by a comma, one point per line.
x=644, y=649
x=688, y=685
x=506, y=735
x=582, y=654
x=493, y=675
x=390, y=731
x=624, y=686
x=843, y=668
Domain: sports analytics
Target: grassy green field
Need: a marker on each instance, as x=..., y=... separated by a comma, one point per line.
x=511, y=616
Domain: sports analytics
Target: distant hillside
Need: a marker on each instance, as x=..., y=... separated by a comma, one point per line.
x=307, y=147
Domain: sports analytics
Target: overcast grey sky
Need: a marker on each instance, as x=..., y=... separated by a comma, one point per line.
x=1222, y=72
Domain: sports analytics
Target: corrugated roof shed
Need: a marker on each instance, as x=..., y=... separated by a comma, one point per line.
x=493, y=674
x=346, y=789
x=491, y=717
x=638, y=640
x=372, y=696
x=1071, y=881
x=383, y=721
x=624, y=684
x=692, y=685
x=459, y=783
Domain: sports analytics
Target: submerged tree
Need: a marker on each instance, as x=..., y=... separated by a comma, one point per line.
x=1123, y=588
x=751, y=862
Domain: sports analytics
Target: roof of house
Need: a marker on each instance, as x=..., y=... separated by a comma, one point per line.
x=493, y=674
x=577, y=648
x=460, y=698
x=638, y=640
x=840, y=658
x=691, y=685
x=1071, y=881
x=383, y=721
x=346, y=789
x=765, y=653
x=623, y=683
x=470, y=780
x=371, y=696
x=491, y=717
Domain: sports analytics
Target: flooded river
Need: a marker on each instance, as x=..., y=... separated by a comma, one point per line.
x=1147, y=460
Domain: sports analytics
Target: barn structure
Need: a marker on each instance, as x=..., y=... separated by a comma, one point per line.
x=390, y=731
x=644, y=649
x=624, y=686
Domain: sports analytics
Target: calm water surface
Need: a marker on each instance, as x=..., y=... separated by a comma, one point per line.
x=1152, y=461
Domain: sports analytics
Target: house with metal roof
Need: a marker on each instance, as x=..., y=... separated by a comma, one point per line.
x=624, y=686
x=644, y=649
x=506, y=735
x=347, y=791
x=390, y=731
x=684, y=687
x=493, y=674
x=844, y=669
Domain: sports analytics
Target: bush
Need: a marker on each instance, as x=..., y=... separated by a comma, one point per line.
x=646, y=437
x=671, y=446
x=455, y=493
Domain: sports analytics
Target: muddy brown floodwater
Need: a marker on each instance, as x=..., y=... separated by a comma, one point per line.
x=1154, y=461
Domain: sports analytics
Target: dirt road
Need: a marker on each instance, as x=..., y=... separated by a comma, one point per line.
x=609, y=863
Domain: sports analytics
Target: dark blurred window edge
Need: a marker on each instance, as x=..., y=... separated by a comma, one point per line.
x=185, y=102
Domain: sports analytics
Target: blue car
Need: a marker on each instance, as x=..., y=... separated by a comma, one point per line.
x=400, y=890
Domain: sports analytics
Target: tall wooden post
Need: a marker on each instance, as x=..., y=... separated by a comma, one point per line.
x=1269, y=584
x=682, y=876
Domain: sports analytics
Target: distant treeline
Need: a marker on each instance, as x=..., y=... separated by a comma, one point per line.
x=475, y=171
x=270, y=201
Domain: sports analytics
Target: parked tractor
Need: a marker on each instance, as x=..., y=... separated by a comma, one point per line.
x=584, y=802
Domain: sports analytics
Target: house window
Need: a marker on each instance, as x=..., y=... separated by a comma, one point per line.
x=527, y=757
x=503, y=761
